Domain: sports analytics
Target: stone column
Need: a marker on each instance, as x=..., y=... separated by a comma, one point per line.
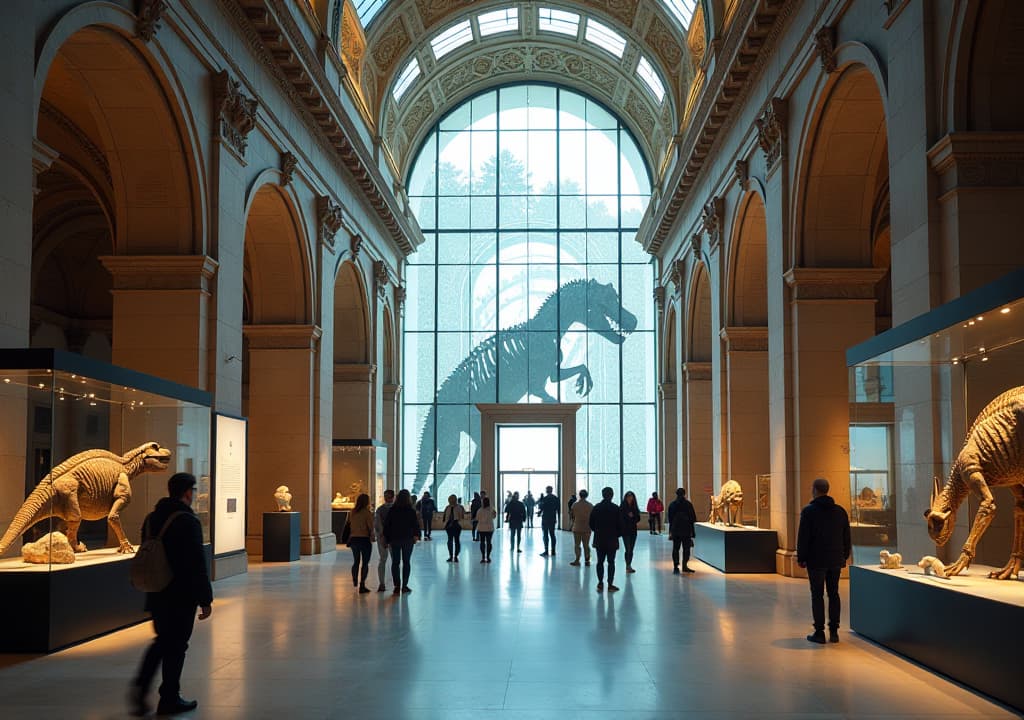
x=283, y=432
x=699, y=431
x=746, y=401
x=161, y=315
x=354, y=400
x=668, y=473
x=392, y=394
x=831, y=309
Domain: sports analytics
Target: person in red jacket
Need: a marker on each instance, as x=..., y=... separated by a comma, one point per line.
x=654, y=510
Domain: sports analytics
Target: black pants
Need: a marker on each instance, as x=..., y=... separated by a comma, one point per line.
x=654, y=521
x=361, y=548
x=485, y=543
x=602, y=556
x=825, y=580
x=685, y=543
x=401, y=553
x=454, y=541
x=173, y=624
x=475, y=523
x=515, y=537
x=629, y=541
x=548, y=529
x=529, y=518
x=427, y=521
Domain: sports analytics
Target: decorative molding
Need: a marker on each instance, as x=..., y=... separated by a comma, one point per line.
x=833, y=283
x=354, y=372
x=712, y=218
x=381, y=278
x=772, y=131
x=288, y=164
x=745, y=338
x=893, y=9
x=43, y=156
x=98, y=157
x=677, y=275
x=742, y=173
x=235, y=114
x=160, y=272
x=400, y=299
x=697, y=371
x=149, y=14
x=695, y=245
x=667, y=390
x=331, y=219
x=282, y=337
x=971, y=160
x=825, y=45
x=659, y=298
x=355, y=244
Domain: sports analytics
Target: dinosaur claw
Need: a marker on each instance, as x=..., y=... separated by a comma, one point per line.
x=126, y=547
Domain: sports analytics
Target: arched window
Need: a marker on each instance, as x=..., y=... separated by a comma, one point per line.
x=530, y=287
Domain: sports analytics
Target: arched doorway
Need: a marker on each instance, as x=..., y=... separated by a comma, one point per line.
x=697, y=374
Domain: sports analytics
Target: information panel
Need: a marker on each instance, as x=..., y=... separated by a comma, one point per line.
x=229, y=486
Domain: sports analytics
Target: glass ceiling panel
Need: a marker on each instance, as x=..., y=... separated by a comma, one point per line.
x=646, y=72
x=498, y=21
x=558, y=21
x=604, y=37
x=451, y=39
x=682, y=10
x=368, y=9
x=406, y=79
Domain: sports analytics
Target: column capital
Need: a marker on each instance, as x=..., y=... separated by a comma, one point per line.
x=978, y=160
x=282, y=337
x=43, y=156
x=354, y=372
x=697, y=371
x=833, y=283
x=160, y=272
x=745, y=339
x=391, y=391
x=667, y=390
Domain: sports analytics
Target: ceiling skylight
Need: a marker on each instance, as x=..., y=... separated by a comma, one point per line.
x=451, y=39
x=367, y=9
x=682, y=9
x=558, y=21
x=406, y=78
x=650, y=78
x=604, y=37
x=498, y=21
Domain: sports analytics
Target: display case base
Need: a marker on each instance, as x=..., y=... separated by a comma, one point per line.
x=230, y=564
x=736, y=549
x=280, y=536
x=49, y=610
x=966, y=627
x=338, y=520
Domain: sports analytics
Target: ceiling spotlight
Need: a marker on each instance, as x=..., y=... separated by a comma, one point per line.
x=1005, y=311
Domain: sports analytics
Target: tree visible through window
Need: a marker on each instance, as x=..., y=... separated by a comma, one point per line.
x=530, y=288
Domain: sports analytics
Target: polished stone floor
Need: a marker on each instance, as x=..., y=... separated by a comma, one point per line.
x=524, y=637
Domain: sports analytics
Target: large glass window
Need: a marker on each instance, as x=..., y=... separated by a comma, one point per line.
x=530, y=288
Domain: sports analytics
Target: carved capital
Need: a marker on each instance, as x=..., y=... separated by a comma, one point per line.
x=43, y=156
x=697, y=371
x=695, y=245
x=235, y=114
x=355, y=245
x=825, y=46
x=160, y=272
x=282, y=337
x=771, y=131
x=288, y=164
x=330, y=215
x=742, y=173
x=667, y=390
x=678, y=276
x=745, y=339
x=712, y=218
x=659, y=298
x=354, y=372
x=148, y=16
x=380, y=278
x=833, y=283
x=400, y=299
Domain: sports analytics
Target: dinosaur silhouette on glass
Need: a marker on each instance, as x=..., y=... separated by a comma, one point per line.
x=520, y=356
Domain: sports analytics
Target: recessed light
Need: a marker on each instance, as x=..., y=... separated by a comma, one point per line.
x=1005, y=311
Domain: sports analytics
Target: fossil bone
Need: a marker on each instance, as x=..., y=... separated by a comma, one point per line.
x=727, y=506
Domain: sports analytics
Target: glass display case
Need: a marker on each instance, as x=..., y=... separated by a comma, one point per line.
x=85, y=453
x=359, y=466
x=915, y=391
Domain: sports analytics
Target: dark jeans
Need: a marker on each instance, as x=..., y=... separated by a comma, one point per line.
x=454, y=541
x=529, y=518
x=825, y=580
x=475, y=523
x=485, y=542
x=173, y=624
x=685, y=544
x=549, y=534
x=654, y=522
x=629, y=541
x=608, y=555
x=401, y=553
x=516, y=537
x=427, y=521
x=361, y=548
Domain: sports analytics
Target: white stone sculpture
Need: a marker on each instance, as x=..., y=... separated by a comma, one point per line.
x=727, y=506
x=890, y=561
x=338, y=501
x=50, y=548
x=284, y=499
x=932, y=566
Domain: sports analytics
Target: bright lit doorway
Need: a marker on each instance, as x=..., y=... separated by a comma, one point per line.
x=528, y=460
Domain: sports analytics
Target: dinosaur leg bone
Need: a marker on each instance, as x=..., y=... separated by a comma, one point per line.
x=73, y=518
x=1012, y=567
x=584, y=383
x=983, y=518
x=122, y=496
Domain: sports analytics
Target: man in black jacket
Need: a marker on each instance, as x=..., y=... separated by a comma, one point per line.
x=174, y=608
x=547, y=508
x=606, y=524
x=681, y=520
x=515, y=516
x=823, y=547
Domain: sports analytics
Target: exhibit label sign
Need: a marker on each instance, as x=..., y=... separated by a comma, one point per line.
x=229, y=485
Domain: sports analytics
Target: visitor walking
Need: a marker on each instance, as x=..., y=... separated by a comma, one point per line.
x=823, y=547
x=654, y=510
x=474, y=507
x=360, y=541
x=529, y=502
x=547, y=508
x=681, y=521
x=579, y=514
x=452, y=518
x=606, y=522
x=174, y=608
x=630, y=512
x=515, y=516
x=485, y=528
x=378, y=528
x=427, y=508
x=401, y=532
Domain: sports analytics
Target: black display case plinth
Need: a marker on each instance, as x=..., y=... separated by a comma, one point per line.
x=736, y=549
x=966, y=627
x=280, y=536
x=338, y=520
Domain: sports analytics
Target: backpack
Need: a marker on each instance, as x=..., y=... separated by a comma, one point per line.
x=149, y=570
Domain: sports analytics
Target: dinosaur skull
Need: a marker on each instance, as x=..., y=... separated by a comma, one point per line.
x=155, y=458
x=605, y=314
x=940, y=517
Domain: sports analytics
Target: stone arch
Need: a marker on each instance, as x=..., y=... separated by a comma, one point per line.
x=669, y=357
x=747, y=289
x=698, y=338
x=389, y=358
x=351, y=316
x=276, y=265
x=988, y=63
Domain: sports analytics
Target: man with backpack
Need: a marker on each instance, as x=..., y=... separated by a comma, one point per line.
x=174, y=608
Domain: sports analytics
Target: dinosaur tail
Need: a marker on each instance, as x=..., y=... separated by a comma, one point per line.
x=424, y=457
x=37, y=506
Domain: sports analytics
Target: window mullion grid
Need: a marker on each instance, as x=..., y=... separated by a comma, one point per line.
x=437, y=275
